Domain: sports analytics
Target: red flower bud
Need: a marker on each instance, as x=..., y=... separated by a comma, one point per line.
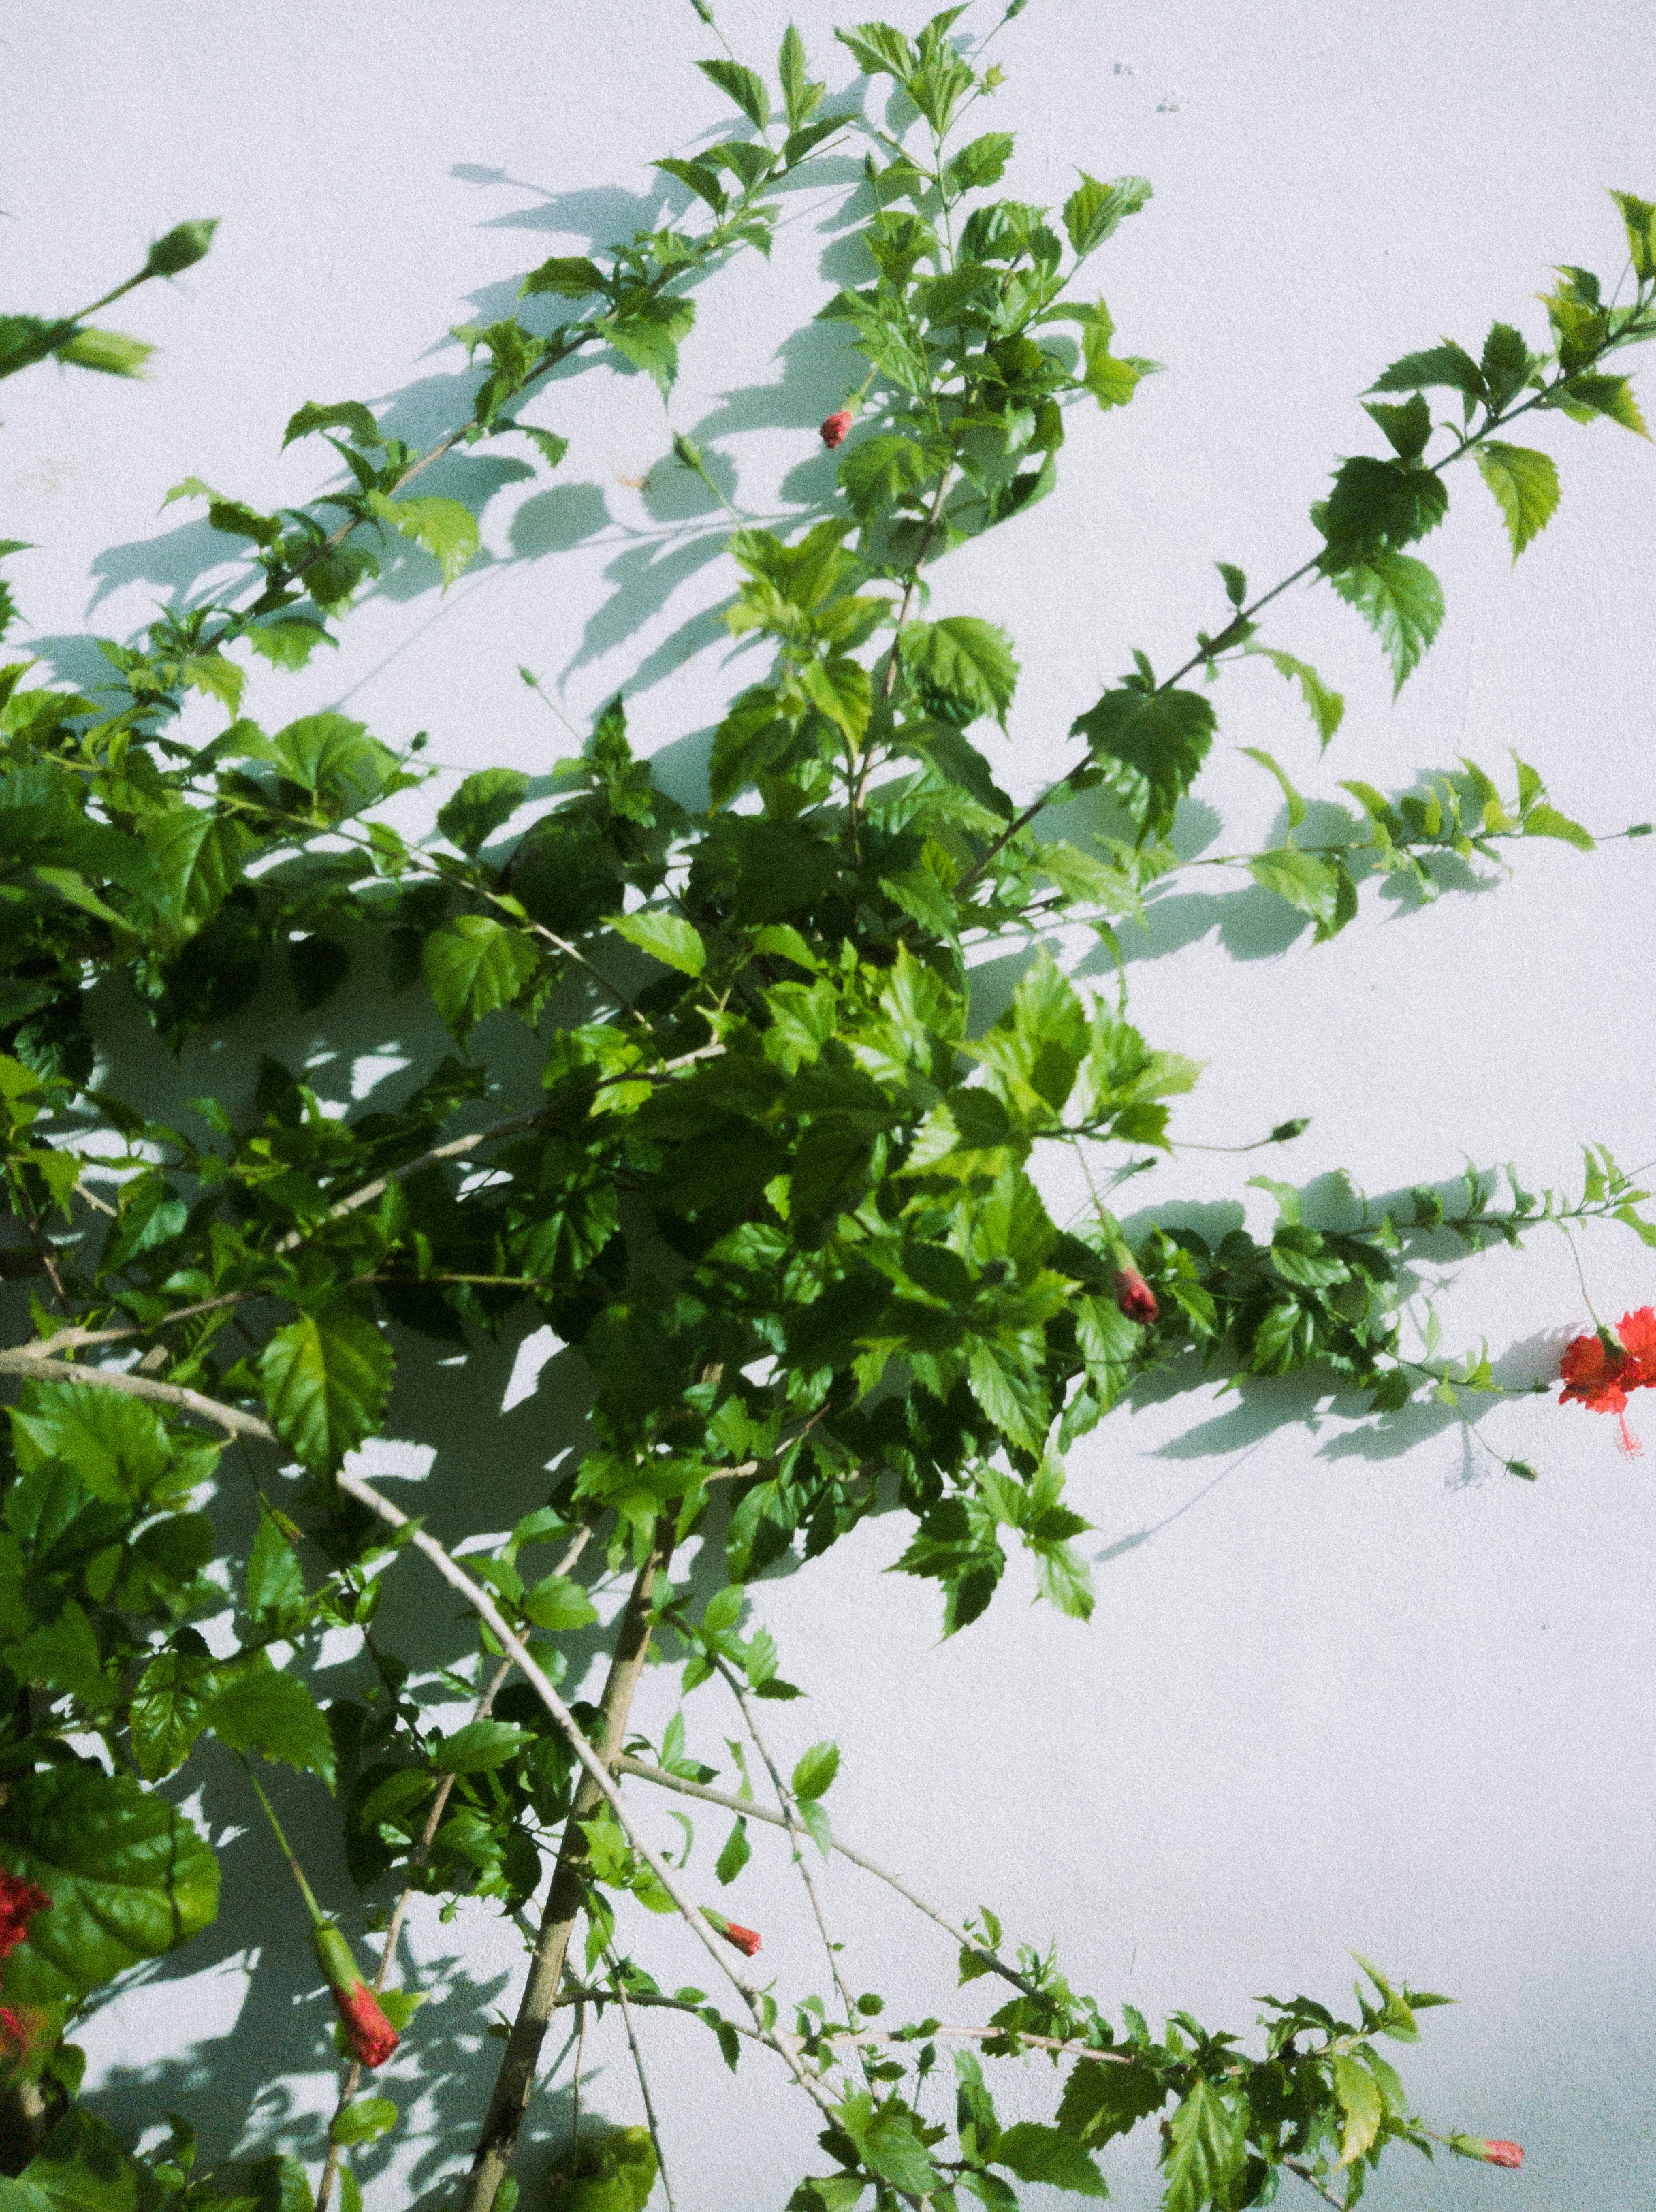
x=746, y=1940
x=1503, y=2154
x=1135, y=1297
x=20, y=1901
x=369, y=2033
x=835, y=427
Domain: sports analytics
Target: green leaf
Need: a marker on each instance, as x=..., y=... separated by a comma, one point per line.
x=1401, y=601
x=814, y=1776
x=666, y=937
x=878, y=472
x=980, y=163
x=1640, y=218
x=479, y=1746
x=480, y=804
x=447, y=531
x=1609, y=396
x=559, y=1605
x=572, y=276
x=129, y=1877
x=1034, y=2153
x=1159, y=738
x=1206, y=2151
x=1100, y=2100
x=800, y=97
x=81, y=2167
x=349, y=416
x=119, y=1448
x=1525, y=487
x=167, y=1708
x=475, y=966
x=336, y=759
x=362, y=2120
x=1444, y=363
x=1375, y=505
x=1359, y=2101
x=1306, y=882
x=961, y=662
x=1548, y=821
x=326, y=1376
x=886, y=2143
x=1327, y=707
x=649, y=333
x=275, y=1715
x=744, y=86
x=1093, y=210
x=841, y=691
x=1407, y=428
x=736, y=1851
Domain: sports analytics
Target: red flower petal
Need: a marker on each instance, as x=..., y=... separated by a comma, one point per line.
x=1637, y=1331
x=20, y=1901
x=1595, y=1377
x=369, y=2033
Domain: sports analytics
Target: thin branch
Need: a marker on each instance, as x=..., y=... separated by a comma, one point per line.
x=643, y=2079
x=1311, y=2181
x=989, y=1958
x=484, y=1606
x=231, y=1418
x=795, y=1833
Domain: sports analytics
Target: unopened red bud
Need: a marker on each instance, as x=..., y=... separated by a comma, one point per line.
x=371, y=2036
x=836, y=426
x=1503, y=2154
x=1135, y=1297
x=746, y=1940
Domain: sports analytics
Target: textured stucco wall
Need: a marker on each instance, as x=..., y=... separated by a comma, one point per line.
x=1344, y=1688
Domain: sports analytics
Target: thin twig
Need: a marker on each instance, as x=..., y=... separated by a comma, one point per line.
x=796, y=1834
x=1311, y=2181
x=643, y=2079
x=484, y=1606
x=990, y=1959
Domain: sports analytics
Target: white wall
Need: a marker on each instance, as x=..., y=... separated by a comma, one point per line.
x=1343, y=1689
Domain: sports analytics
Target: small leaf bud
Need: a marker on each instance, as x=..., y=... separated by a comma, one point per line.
x=185, y=245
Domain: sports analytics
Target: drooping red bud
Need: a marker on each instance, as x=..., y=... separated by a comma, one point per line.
x=1503, y=2154
x=746, y=1940
x=836, y=426
x=1135, y=1297
x=369, y=2033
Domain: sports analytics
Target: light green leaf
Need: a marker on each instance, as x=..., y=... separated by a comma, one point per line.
x=1360, y=2100
x=1525, y=487
x=1327, y=707
x=326, y=1376
x=840, y=689
x=1206, y=2151
x=1311, y=884
x=1548, y=821
x=348, y=414
x=814, y=1775
x=1034, y=2153
x=744, y=86
x=1093, y=210
x=665, y=937
x=1401, y=601
x=474, y=966
x=363, y=2119
x=447, y=531
x=559, y=1605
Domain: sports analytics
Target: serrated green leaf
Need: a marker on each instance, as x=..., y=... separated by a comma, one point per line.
x=1525, y=486
x=1158, y=738
x=1359, y=2101
x=666, y=937
x=744, y=86
x=1093, y=210
x=275, y=1715
x=1206, y=2151
x=447, y=531
x=480, y=804
x=349, y=416
x=960, y=662
x=559, y=1605
x=1401, y=601
x=474, y=966
x=326, y=1376
x=1548, y=821
x=478, y=1746
x=363, y=2120
x=1034, y=2153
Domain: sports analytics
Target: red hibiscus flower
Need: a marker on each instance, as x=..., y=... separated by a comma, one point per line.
x=1135, y=1297
x=1598, y=1371
x=20, y=1901
x=369, y=2033
x=835, y=427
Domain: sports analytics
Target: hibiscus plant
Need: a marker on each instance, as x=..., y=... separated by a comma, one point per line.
x=707, y=1091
